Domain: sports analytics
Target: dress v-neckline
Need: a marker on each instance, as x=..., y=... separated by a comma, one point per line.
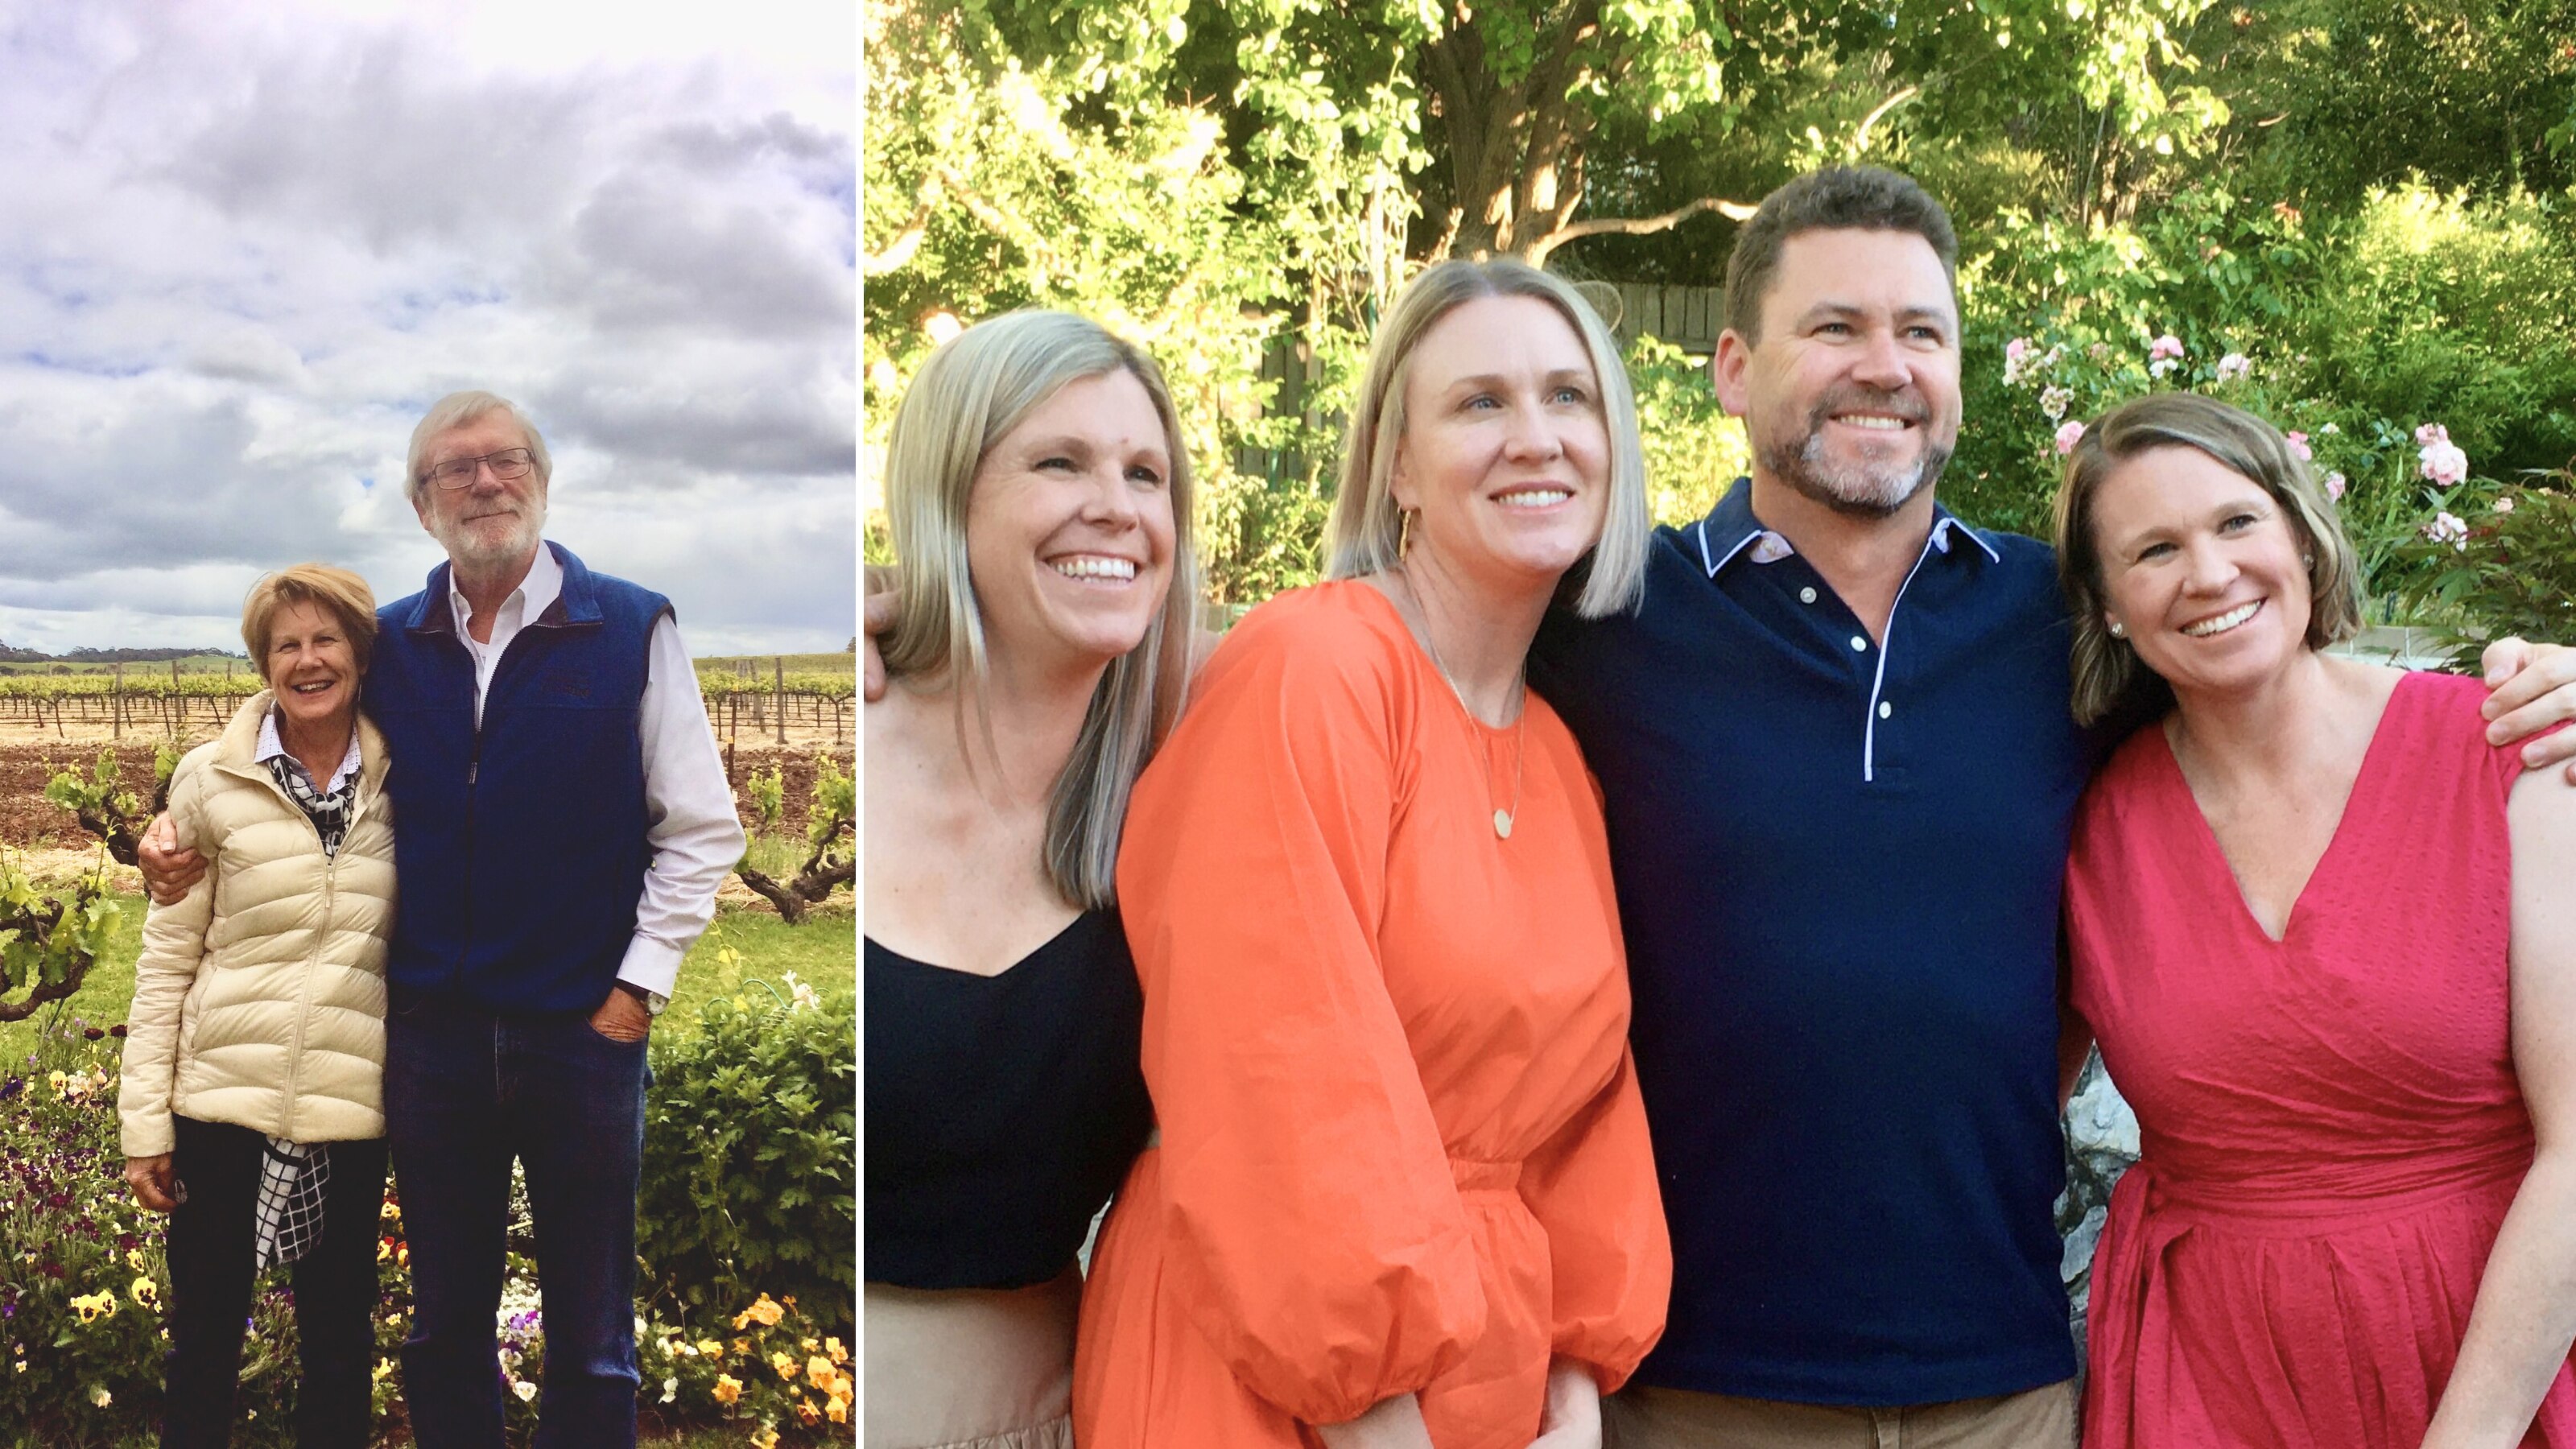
x=2363, y=779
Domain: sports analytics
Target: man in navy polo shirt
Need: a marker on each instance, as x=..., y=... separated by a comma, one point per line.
x=1838, y=766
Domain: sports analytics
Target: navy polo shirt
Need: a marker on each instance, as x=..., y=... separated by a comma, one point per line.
x=1838, y=869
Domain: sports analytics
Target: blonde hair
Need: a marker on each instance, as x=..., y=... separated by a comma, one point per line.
x=1366, y=534
x=456, y=410
x=343, y=594
x=2109, y=679
x=971, y=393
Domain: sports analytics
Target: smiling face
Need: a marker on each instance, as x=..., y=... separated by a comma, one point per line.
x=1852, y=395
x=311, y=665
x=2202, y=568
x=1069, y=526
x=1506, y=453
x=491, y=521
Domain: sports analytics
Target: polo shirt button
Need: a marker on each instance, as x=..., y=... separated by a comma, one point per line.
x=1806, y=596
x=1885, y=709
x=1860, y=643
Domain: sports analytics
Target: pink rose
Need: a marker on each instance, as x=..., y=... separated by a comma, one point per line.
x=2069, y=433
x=2017, y=349
x=2335, y=486
x=2299, y=445
x=2504, y=504
x=2163, y=347
x=2444, y=463
x=2431, y=433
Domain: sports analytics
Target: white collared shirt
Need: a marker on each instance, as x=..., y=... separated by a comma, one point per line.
x=272, y=744
x=688, y=805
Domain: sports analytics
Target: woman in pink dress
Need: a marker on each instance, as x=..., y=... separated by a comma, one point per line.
x=2326, y=937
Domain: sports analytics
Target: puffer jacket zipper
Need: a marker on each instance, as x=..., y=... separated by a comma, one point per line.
x=322, y=932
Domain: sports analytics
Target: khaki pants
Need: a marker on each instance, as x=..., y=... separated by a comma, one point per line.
x=1640, y=1417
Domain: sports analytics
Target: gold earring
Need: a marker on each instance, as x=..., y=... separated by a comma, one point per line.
x=1403, y=532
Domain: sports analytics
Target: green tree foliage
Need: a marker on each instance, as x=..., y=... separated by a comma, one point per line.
x=2367, y=201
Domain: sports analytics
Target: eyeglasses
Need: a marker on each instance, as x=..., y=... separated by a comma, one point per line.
x=506, y=464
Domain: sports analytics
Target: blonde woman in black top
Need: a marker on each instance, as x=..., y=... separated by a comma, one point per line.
x=1040, y=506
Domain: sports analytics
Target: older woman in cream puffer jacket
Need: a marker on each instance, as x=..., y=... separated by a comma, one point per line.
x=252, y=1102
x=259, y=1000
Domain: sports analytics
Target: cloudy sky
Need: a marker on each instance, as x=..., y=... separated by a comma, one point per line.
x=244, y=245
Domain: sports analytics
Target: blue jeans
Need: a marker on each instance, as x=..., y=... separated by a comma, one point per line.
x=466, y=1091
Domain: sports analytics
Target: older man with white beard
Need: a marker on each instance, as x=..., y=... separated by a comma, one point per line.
x=564, y=822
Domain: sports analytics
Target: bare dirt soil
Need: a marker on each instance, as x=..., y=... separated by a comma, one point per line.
x=52, y=842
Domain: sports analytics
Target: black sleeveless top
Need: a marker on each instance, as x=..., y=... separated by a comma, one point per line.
x=1002, y=1110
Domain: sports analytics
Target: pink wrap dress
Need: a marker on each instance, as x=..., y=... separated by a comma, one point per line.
x=2330, y=1124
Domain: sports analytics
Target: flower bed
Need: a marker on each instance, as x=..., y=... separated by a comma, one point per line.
x=82, y=1289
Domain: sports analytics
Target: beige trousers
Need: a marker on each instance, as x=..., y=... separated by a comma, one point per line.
x=969, y=1368
x=1640, y=1417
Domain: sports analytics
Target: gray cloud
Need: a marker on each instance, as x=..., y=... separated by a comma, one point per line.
x=243, y=250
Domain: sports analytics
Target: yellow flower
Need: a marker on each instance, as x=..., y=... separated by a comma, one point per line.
x=808, y=1344
x=807, y=1414
x=764, y=1311
x=764, y=1437
x=833, y=1347
x=727, y=1389
x=786, y=1366
x=134, y=1259
x=742, y=1345
x=820, y=1372
x=710, y=1348
x=144, y=1291
x=93, y=1306
x=99, y=1395
x=838, y=1411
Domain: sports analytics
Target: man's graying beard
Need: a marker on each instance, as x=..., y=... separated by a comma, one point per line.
x=1863, y=490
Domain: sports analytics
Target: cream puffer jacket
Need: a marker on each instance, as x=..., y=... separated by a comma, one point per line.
x=259, y=999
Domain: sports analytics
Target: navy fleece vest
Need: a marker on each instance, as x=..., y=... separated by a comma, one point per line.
x=519, y=848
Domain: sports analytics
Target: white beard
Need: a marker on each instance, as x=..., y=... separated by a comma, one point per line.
x=481, y=548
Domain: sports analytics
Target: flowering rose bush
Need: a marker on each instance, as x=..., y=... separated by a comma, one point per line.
x=2426, y=311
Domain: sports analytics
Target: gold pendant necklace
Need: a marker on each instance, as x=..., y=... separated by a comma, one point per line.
x=1520, y=722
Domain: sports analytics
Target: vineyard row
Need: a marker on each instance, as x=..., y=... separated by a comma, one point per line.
x=173, y=706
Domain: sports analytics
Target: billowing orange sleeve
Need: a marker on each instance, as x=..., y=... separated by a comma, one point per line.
x=1313, y=1226
x=1592, y=1187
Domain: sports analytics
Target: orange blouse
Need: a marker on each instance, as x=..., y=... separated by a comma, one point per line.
x=1401, y=1144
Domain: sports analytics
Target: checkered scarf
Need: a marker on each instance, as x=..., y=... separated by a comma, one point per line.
x=329, y=813
x=289, y=1210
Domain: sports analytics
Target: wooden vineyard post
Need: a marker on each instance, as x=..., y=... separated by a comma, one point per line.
x=116, y=702
x=781, y=679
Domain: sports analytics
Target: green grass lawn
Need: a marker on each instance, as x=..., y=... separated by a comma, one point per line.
x=823, y=952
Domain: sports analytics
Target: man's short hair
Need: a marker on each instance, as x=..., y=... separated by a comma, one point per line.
x=1838, y=198
x=456, y=410
x=337, y=592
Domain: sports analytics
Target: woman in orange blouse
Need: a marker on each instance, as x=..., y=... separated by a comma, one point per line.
x=1402, y=1192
